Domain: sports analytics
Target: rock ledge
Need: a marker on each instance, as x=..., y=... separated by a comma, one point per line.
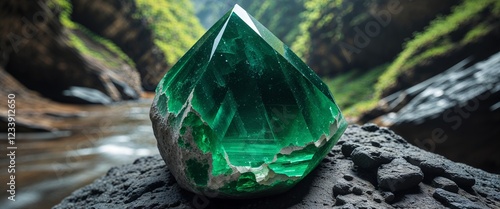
x=402, y=176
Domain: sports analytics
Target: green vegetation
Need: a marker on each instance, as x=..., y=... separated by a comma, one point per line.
x=109, y=52
x=106, y=56
x=176, y=29
x=313, y=12
x=431, y=42
x=477, y=32
x=174, y=24
x=65, y=8
x=434, y=41
x=317, y=14
x=351, y=88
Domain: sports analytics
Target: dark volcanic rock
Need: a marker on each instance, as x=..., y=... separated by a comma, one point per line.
x=335, y=183
x=456, y=201
x=370, y=127
x=432, y=167
x=348, y=147
x=444, y=183
x=388, y=196
x=461, y=177
x=399, y=175
x=370, y=157
x=341, y=187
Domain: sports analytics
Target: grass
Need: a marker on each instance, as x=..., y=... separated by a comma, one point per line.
x=314, y=10
x=430, y=41
x=109, y=45
x=319, y=14
x=174, y=25
x=107, y=56
x=351, y=88
x=478, y=31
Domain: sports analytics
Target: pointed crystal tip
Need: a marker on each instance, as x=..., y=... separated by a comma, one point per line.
x=238, y=10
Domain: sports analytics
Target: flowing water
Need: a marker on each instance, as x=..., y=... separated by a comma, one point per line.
x=50, y=167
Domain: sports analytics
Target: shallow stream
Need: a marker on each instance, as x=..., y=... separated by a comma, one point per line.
x=50, y=167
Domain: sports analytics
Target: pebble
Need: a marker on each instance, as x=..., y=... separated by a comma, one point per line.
x=461, y=177
x=432, y=167
x=444, y=183
x=388, y=196
x=368, y=157
x=453, y=200
x=357, y=191
x=370, y=127
x=348, y=147
x=341, y=187
x=399, y=175
x=348, y=177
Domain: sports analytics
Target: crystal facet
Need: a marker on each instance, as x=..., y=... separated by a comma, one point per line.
x=240, y=115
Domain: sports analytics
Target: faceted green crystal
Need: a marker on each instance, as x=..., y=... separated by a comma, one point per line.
x=240, y=115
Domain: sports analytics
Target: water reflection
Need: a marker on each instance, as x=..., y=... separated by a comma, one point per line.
x=51, y=166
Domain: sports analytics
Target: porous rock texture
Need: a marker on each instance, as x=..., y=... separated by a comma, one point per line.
x=336, y=183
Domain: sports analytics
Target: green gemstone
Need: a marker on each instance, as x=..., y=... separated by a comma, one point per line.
x=241, y=115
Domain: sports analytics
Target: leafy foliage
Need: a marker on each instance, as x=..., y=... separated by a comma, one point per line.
x=434, y=41
x=176, y=29
x=110, y=51
x=174, y=24
x=318, y=13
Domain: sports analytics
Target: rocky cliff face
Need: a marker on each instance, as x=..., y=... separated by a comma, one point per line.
x=36, y=52
x=23, y=124
x=375, y=49
x=469, y=31
x=371, y=167
x=73, y=51
x=455, y=113
x=443, y=118
x=339, y=36
x=115, y=20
